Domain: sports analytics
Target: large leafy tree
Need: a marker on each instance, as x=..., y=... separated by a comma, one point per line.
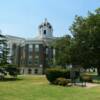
x=62, y=46
x=85, y=50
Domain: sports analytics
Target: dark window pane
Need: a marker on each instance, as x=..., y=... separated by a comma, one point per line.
x=44, y=31
x=36, y=71
x=29, y=71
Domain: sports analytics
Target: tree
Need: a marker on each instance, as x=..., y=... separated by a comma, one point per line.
x=12, y=70
x=86, y=35
x=3, y=51
x=62, y=46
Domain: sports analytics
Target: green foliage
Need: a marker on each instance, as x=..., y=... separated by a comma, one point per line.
x=9, y=69
x=3, y=73
x=33, y=87
x=85, y=48
x=53, y=73
x=86, y=78
x=4, y=50
x=62, y=47
x=12, y=70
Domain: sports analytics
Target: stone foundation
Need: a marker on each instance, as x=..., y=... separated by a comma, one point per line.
x=33, y=71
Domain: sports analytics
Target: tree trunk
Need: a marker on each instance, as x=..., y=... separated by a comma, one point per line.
x=98, y=71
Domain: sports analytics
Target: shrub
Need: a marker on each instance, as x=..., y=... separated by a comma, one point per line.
x=86, y=78
x=74, y=74
x=3, y=73
x=61, y=81
x=13, y=71
x=53, y=73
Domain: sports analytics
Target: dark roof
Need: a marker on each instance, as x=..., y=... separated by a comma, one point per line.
x=45, y=24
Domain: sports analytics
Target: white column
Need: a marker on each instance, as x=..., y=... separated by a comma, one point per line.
x=54, y=52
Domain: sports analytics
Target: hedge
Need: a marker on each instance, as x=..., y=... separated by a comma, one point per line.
x=53, y=73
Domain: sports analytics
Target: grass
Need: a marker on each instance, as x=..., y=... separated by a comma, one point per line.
x=37, y=88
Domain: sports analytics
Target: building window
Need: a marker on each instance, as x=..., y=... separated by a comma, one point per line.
x=36, y=48
x=30, y=61
x=36, y=71
x=44, y=24
x=36, y=57
x=47, y=50
x=30, y=48
x=29, y=71
x=30, y=56
x=30, y=53
x=23, y=53
x=50, y=27
x=36, y=60
x=45, y=32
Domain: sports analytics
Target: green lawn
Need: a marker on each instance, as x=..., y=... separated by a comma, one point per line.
x=38, y=88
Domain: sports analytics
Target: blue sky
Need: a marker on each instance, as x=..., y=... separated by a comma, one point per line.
x=22, y=17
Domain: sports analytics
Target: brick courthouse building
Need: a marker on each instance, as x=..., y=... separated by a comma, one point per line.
x=32, y=56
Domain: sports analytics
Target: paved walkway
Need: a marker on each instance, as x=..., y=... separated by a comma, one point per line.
x=90, y=85
x=87, y=85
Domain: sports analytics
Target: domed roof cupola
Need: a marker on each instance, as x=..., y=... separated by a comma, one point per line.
x=45, y=30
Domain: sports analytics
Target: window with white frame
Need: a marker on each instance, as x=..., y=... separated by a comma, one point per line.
x=30, y=61
x=30, y=47
x=37, y=48
x=30, y=56
x=36, y=59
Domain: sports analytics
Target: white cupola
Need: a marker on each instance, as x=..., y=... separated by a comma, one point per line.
x=45, y=30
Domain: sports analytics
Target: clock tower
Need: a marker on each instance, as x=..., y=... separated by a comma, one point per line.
x=45, y=30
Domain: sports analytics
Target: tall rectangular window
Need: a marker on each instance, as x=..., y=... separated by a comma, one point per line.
x=30, y=61
x=47, y=50
x=37, y=48
x=45, y=32
x=30, y=49
x=36, y=59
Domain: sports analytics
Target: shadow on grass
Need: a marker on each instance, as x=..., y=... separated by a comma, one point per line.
x=10, y=79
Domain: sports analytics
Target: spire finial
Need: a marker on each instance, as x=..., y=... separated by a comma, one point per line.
x=0, y=32
x=45, y=19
